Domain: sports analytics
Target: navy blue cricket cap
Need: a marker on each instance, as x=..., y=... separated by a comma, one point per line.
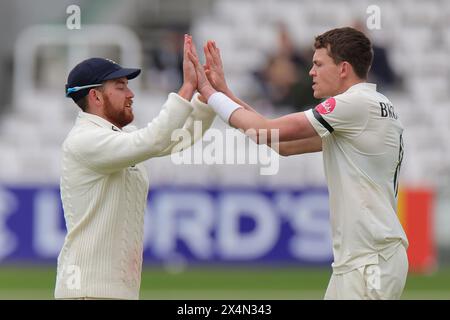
x=92, y=73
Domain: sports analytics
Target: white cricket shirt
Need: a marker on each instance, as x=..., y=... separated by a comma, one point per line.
x=104, y=188
x=362, y=153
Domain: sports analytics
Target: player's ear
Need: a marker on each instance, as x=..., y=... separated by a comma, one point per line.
x=345, y=69
x=95, y=97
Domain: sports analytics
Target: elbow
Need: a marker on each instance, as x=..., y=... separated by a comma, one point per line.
x=283, y=152
x=285, y=149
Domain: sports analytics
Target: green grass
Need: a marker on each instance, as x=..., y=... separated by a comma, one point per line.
x=36, y=282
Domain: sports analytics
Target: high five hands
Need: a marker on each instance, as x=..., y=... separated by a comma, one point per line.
x=210, y=77
x=213, y=70
x=294, y=132
x=211, y=80
x=196, y=76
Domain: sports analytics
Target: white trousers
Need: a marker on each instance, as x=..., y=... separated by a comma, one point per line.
x=385, y=280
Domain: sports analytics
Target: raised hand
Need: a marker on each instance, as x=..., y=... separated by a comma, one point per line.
x=203, y=84
x=189, y=73
x=215, y=74
x=214, y=67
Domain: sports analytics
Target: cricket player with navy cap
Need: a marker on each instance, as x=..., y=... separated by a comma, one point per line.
x=104, y=184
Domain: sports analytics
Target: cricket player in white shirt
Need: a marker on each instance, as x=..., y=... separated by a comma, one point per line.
x=361, y=138
x=104, y=184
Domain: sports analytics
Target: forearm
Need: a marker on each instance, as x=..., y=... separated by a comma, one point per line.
x=239, y=101
x=198, y=122
x=300, y=146
x=245, y=120
x=252, y=123
x=232, y=97
x=226, y=107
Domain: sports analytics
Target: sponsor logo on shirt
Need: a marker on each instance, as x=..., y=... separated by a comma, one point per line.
x=327, y=106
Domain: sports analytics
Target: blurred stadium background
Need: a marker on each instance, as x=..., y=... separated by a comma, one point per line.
x=220, y=231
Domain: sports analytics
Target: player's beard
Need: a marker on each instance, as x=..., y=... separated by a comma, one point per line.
x=120, y=116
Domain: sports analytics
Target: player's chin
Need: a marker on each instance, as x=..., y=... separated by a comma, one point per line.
x=317, y=94
x=128, y=111
x=128, y=116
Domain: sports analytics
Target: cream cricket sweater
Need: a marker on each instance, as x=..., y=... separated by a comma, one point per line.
x=104, y=188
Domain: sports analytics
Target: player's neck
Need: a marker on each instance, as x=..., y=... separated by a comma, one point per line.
x=350, y=83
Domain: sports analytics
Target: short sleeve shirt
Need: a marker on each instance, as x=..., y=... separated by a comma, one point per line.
x=362, y=152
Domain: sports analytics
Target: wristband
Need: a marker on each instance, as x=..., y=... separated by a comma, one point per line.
x=223, y=105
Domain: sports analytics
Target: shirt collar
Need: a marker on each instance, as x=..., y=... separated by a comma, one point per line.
x=97, y=120
x=362, y=85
